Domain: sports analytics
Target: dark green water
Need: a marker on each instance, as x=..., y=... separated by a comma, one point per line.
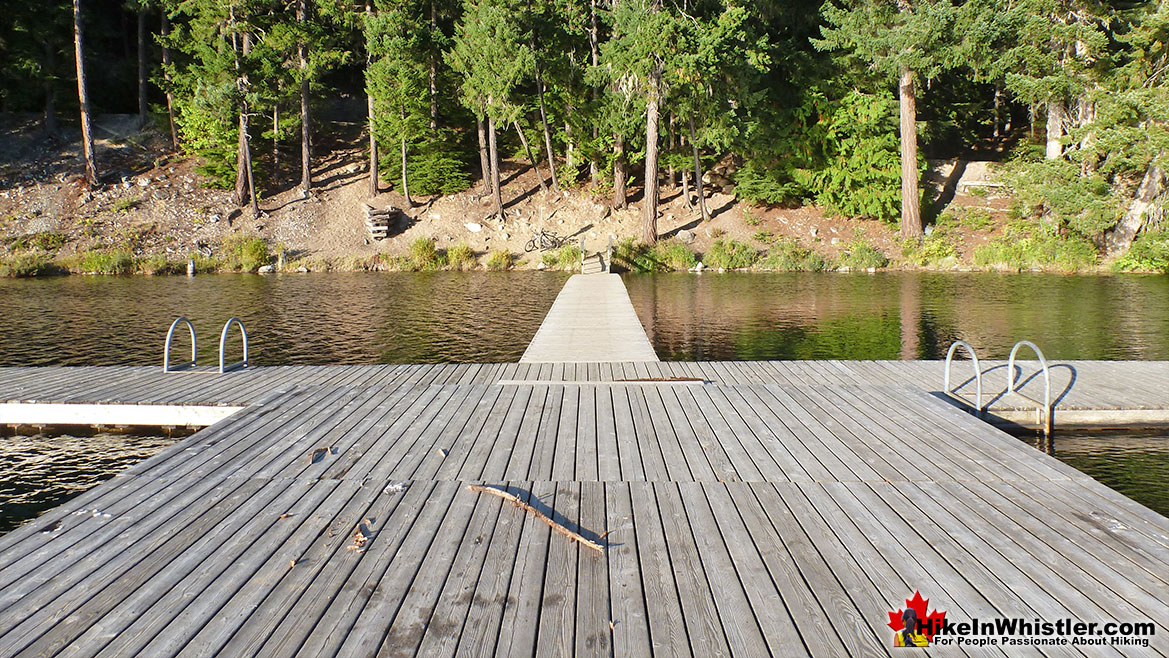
x=479, y=316
x=896, y=315
x=1134, y=463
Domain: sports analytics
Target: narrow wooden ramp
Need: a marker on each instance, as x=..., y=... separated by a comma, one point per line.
x=591, y=321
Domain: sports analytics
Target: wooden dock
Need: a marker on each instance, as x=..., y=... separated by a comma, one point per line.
x=744, y=508
x=768, y=509
x=592, y=320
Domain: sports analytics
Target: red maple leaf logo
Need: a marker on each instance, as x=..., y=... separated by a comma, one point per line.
x=930, y=622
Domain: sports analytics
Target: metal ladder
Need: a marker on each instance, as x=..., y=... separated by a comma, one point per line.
x=167, y=366
x=1044, y=412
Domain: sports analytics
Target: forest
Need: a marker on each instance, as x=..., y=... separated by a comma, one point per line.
x=835, y=103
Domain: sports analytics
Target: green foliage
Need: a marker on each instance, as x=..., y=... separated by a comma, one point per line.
x=665, y=256
x=115, y=261
x=567, y=257
x=1148, y=253
x=1057, y=189
x=751, y=219
x=245, y=253
x=1028, y=245
x=765, y=237
x=674, y=255
x=27, y=265
x=500, y=260
x=860, y=255
x=424, y=256
x=730, y=255
x=157, y=264
x=977, y=219
x=930, y=250
x=789, y=256
x=434, y=166
x=126, y=205
x=47, y=241
x=461, y=257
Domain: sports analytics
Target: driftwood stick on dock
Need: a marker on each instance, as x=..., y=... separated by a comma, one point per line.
x=538, y=514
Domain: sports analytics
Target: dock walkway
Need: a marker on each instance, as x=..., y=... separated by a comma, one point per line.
x=592, y=320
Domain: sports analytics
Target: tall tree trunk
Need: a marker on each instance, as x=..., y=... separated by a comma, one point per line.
x=142, y=109
x=87, y=149
x=998, y=108
x=306, y=170
x=595, y=54
x=910, y=197
x=1055, y=119
x=671, y=180
x=49, y=123
x=405, y=183
x=649, y=224
x=245, y=187
x=698, y=172
x=531, y=158
x=433, y=71
x=484, y=162
x=496, y=193
x=1119, y=239
x=619, y=172
x=373, y=163
x=170, y=97
x=276, y=141
x=547, y=133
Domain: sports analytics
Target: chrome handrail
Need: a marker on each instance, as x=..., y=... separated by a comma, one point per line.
x=170, y=334
x=223, y=341
x=1044, y=413
x=977, y=373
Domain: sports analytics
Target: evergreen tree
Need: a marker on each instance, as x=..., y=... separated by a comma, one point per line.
x=906, y=41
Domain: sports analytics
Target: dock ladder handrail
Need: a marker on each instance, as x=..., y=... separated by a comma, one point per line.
x=223, y=342
x=977, y=374
x=1043, y=412
x=170, y=334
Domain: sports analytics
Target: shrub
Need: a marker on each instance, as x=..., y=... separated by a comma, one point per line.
x=245, y=253
x=26, y=265
x=460, y=257
x=931, y=249
x=731, y=255
x=158, y=264
x=567, y=257
x=789, y=256
x=500, y=260
x=117, y=261
x=1028, y=246
x=860, y=255
x=1148, y=253
x=424, y=256
x=665, y=256
x=763, y=236
x=673, y=255
x=43, y=241
x=751, y=218
x=977, y=219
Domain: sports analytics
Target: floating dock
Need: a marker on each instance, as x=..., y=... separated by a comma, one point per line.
x=744, y=509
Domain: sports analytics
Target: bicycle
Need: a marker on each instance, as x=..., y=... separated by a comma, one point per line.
x=544, y=240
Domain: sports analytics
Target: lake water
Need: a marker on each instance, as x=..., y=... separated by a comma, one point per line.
x=349, y=318
x=476, y=316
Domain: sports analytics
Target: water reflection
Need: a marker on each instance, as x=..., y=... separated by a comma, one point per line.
x=336, y=318
x=901, y=315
